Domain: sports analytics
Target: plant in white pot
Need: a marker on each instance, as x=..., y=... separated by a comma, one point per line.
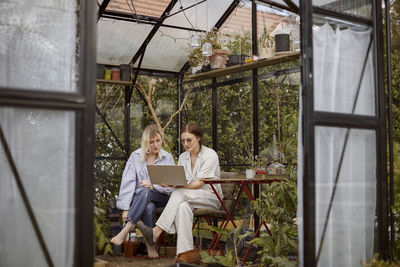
x=266, y=45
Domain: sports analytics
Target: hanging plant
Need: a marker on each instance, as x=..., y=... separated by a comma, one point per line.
x=196, y=57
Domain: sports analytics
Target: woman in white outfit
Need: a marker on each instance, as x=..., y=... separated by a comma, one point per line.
x=199, y=162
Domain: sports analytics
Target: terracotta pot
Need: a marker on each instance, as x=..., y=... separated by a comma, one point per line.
x=130, y=247
x=218, y=58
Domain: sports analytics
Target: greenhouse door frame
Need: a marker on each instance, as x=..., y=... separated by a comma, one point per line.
x=82, y=102
x=312, y=118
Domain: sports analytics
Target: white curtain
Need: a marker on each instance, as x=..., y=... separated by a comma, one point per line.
x=339, y=57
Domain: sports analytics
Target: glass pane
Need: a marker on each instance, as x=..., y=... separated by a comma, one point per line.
x=203, y=16
x=164, y=103
x=343, y=70
x=235, y=124
x=278, y=31
x=278, y=115
x=167, y=50
x=146, y=8
x=110, y=101
x=199, y=109
x=42, y=144
x=113, y=46
x=138, y=122
x=359, y=8
x=38, y=45
x=349, y=236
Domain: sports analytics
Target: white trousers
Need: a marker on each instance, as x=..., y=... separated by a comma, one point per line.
x=177, y=216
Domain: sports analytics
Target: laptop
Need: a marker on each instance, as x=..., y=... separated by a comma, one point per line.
x=167, y=174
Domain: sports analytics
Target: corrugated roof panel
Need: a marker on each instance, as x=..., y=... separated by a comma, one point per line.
x=281, y=2
x=239, y=21
x=358, y=8
x=118, y=41
x=167, y=50
x=153, y=8
x=208, y=13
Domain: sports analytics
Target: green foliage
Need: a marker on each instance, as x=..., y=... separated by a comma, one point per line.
x=239, y=44
x=170, y=239
x=200, y=112
x=231, y=258
x=395, y=57
x=101, y=226
x=396, y=95
x=278, y=206
x=377, y=262
x=395, y=26
x=107, y=172
x=396, y=207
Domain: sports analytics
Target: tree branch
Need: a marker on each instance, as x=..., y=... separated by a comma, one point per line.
x=150, y=106
x=179, y=110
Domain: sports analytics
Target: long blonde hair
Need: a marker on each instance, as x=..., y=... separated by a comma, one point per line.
x=151, y=131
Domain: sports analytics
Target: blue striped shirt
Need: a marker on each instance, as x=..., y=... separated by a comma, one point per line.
x=135, y=171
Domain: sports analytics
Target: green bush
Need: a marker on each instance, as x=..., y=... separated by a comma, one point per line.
x=278, y=207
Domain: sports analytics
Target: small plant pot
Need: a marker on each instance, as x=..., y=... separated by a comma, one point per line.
x=100, y=71
x=130, y=247
x=236, y=60
x=282, y=43
x=267, y=52
x=218, y=58
x=125, y=72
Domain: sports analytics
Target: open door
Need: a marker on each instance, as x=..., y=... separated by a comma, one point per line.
x=47, y=83
x=342, y=178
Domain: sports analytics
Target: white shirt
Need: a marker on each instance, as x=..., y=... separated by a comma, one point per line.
x=206, y=167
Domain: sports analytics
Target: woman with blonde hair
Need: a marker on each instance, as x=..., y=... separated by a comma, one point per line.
x=138, y=198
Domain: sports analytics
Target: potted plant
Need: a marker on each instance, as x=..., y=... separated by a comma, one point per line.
x=239, y=45
x=266, y=45
x=218, y=58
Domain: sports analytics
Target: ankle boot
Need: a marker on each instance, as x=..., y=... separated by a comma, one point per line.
x=190, y=256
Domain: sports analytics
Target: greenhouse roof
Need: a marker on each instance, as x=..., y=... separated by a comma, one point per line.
x=156, y=34
x=162, y=29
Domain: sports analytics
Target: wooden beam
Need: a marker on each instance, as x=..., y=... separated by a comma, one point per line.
x=129, y=83
x=246, y=66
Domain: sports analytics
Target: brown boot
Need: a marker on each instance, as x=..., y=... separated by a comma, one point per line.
x=190, y=256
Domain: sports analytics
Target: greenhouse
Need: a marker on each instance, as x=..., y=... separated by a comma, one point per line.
x=294, y=97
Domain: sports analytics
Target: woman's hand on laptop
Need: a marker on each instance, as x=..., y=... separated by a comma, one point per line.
x=146, y=184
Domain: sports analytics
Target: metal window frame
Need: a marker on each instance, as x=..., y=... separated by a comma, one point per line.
x=82, y=103
x=312, y=118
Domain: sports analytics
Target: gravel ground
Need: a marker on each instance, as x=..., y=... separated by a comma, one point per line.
x=122, y=261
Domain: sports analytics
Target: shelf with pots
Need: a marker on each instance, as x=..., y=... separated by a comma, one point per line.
x=277, y=59
x=111, y=74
